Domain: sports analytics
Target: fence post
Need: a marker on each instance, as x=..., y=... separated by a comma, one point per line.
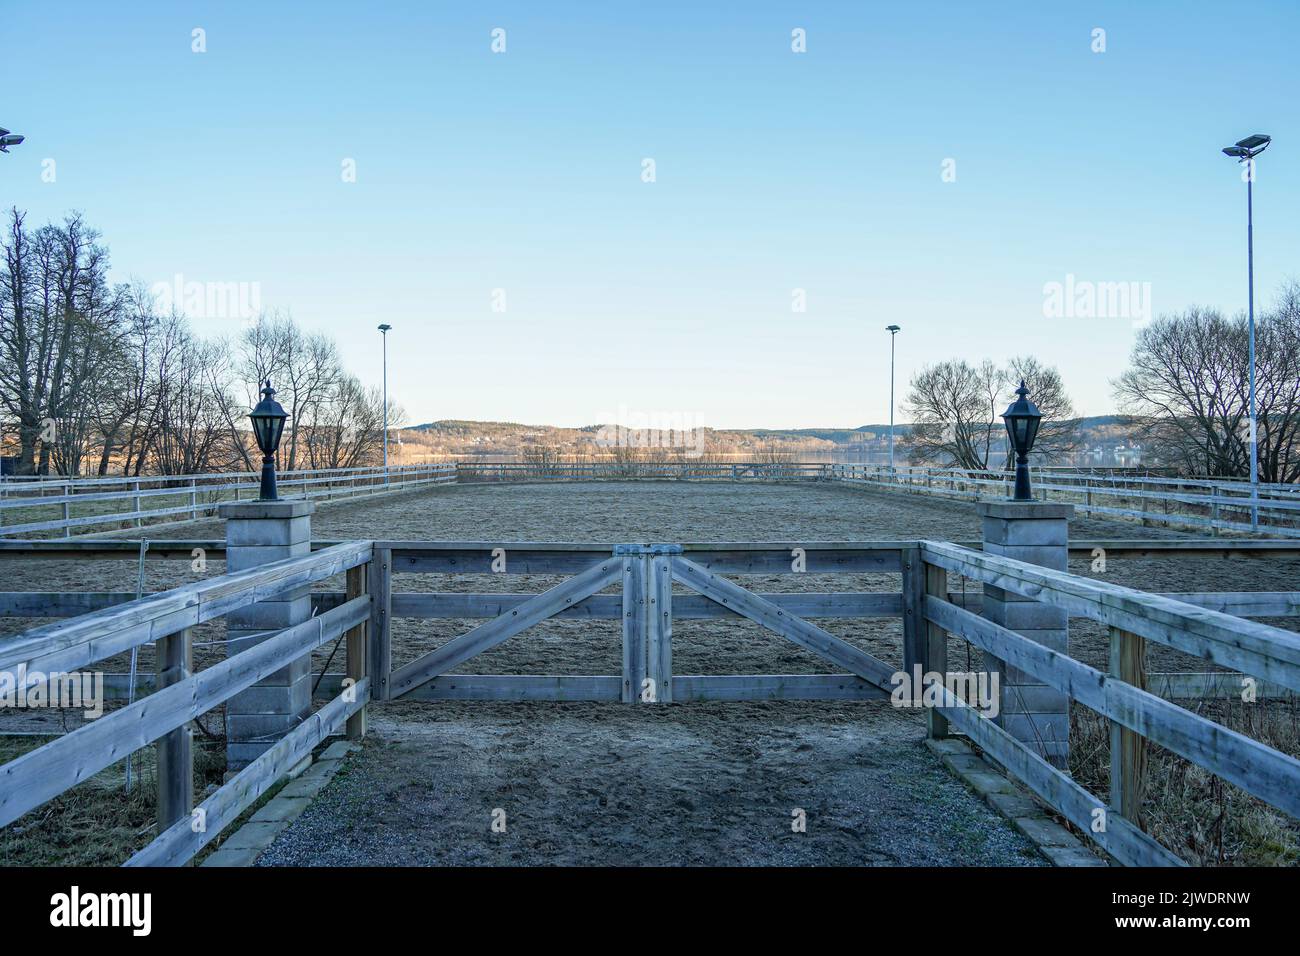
x=194, y=501
x=257, y=533
x=356, y=639
x=1037, y=532
x=1128, y=753
x=634, y=622
x=659, y=619
x=913, y=619
x=379, y=579
x=67, y=511
x=173, y=662
x=936, y=646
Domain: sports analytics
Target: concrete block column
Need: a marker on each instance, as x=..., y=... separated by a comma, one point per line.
x=257, y=533
x=1036, y=532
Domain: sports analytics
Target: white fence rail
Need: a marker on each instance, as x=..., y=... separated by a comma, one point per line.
x=43, y=507
x=69, y=506
x=1213, y=505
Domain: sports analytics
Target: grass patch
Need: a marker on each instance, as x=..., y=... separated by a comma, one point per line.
x=1189, y=810
x=97, y=823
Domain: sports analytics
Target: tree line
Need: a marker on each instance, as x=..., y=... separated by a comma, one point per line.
x=1186, y=391
x=97, y=379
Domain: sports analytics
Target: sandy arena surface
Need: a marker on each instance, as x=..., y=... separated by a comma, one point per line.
x=612, y=784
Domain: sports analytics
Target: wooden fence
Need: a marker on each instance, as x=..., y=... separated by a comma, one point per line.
x=634, y=584
x=1200, y=504
x=180, y=695
x=685, y=469
x=1120, y=694
x=90, y=505
x=94, y=505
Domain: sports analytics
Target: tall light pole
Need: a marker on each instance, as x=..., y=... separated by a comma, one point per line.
x=893, y=331
x=1245, y=152
x=384, y=329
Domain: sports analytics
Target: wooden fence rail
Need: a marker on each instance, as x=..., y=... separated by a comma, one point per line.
x=177, y=694
x=1221, y=506
x=1120, y=695
x=634, y=584
x=24, y=506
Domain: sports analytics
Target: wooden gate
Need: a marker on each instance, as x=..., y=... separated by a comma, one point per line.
x=647, y=608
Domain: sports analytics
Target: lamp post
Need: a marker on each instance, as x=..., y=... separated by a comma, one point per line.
x=268, y=425
x=1022, y=418
x=384, y=329
x=893, y=331
x=1245, y=152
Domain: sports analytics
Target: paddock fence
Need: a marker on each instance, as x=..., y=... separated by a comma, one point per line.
x=1189, y=685
x=1120, y=694
x=646, y=587
x=43, y=657
x=78, y=506
x=96, y=505
x=1213, y=505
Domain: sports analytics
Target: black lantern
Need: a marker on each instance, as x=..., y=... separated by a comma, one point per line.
x=268, y=425
x=1022, y=418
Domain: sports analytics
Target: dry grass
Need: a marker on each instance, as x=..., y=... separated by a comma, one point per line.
x=1192, y=812
x=97, y=823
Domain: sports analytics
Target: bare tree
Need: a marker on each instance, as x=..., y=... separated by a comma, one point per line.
x=347, y=426
x=955, y=412
x=1188, y=387
x=304, y=368
x=60, y=325
x=191, y=435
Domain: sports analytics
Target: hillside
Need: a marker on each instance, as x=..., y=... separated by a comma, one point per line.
x=1109, y=440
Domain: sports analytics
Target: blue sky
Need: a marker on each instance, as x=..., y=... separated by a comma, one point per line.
x=775, y=171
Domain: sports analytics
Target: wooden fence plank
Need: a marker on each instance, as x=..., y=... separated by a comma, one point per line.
x=914, y=625
x=518, y=687
x=490, y=634
x=1247, y=646
x=634, y=626
x=686, y=607
x=357, y=652
x=75, y=643
x=808, y=636
x=740, y=687
x=41, y=774
x=174, y=662
x=1125, y=842
x=936, y=644
x=1128, y=755
x=379, y=643
x=659, y=627
x=1270, y=775
x=179, y=842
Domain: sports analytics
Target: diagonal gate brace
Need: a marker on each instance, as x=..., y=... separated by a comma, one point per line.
x=771, y=616
x=491, y=633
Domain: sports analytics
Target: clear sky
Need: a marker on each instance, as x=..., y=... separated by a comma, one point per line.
x=522, y=171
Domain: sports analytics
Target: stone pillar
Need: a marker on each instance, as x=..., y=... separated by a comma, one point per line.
x=1036, y=532
x=257, y=533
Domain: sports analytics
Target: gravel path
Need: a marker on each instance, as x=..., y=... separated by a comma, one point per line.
x=607, y=784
